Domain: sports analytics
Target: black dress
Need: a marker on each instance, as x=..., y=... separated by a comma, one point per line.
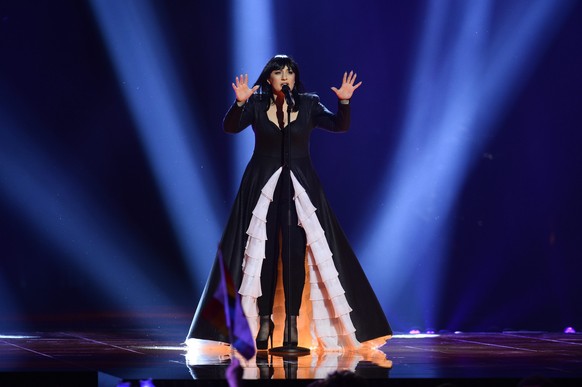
x=339, y=303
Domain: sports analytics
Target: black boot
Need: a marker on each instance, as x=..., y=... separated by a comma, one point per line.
x=290, y=332
x=265, y=331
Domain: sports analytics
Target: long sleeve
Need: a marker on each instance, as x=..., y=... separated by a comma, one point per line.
x=238, y=117
x=325, y=119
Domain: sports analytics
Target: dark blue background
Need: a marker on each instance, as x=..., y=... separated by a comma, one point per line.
x=516, y=228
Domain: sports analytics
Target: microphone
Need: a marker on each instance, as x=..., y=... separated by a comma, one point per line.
x=288, y=96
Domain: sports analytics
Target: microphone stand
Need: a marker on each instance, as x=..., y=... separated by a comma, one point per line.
x=288, y=352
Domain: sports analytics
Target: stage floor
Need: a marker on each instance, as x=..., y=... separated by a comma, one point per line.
x=77, y=358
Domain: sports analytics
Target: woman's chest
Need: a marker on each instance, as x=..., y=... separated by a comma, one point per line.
x=269, y=126
x=280, y=117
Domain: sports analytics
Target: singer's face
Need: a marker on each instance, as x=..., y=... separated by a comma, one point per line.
x=278, y=78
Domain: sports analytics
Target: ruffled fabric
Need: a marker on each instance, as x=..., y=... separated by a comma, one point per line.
x=331, y=322
x=331, y=326
x=250, y=288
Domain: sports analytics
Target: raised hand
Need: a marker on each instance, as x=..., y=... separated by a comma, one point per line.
x=347, y=88
x=241, y=88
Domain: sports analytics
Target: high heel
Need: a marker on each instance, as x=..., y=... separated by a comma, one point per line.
x=265, y=332
x=290, y=332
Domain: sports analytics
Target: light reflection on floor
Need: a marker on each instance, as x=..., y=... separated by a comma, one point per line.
x=316, y=365
x=161, y=355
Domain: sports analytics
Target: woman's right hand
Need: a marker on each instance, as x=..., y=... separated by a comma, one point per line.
x=241, y=88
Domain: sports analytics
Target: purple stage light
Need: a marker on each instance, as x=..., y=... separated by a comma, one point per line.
x=569, y=330
x=146, y=383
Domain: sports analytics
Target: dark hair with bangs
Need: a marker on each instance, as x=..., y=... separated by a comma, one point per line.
x=279, y=62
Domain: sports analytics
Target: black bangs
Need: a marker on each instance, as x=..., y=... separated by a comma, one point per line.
x=278, y=62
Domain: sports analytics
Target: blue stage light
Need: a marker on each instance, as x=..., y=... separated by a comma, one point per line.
x=62, y=212
x=471, y=61
x=252, y=29
x=144, y=67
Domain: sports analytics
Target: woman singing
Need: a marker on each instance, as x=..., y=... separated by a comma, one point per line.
x=281, y=217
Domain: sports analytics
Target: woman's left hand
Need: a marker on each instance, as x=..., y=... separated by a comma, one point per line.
x=347, y=88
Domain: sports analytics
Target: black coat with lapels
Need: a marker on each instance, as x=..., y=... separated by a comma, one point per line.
x=367, y=315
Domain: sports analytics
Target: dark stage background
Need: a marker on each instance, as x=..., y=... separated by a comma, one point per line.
x=66, y=131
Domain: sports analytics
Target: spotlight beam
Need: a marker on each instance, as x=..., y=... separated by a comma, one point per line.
x=469, y=66
x=63, y=212
x=253, y=45
x=143, y=64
